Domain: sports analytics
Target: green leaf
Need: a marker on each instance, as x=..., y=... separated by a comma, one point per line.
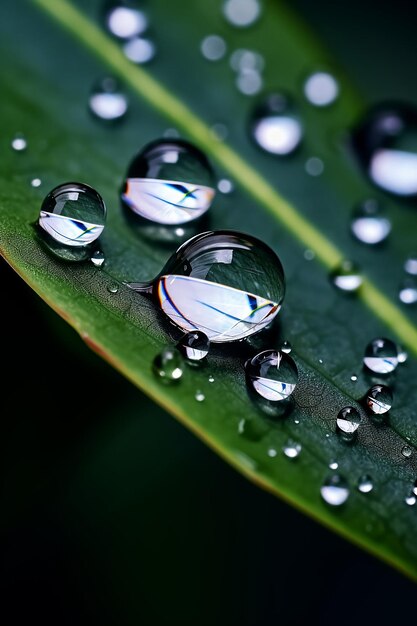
x=45, y=91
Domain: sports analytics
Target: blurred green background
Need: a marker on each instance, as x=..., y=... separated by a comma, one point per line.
x=112, y=513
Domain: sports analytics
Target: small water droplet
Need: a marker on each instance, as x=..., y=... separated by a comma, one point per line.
x=335, y=490
x=286, y=347
x=97, y=258
x=402, y=355
x=379, y=399
x=369, y=224
x=169, y=182
x=347, y=277
x=410, y=499
x=168, y=365
x=275, y=126
x=410, y=266
x=292, y=449
x=113, y=288
x=124, y=21
x=314, y=166
x=354, y=378
x=140, y=50
x=321, y=361
x=19, y=143
x=225, y=186
x=386, y=148
x=406, y=451
x=347, y=423
x=381, y=356
x=249, y=82
x=415, y=488
x=272, y=452
x=272, y=374
x=321, y=89
x=333, y=465
x=309, y=255
x=408, y=291
x=296, y=421
x=211, y=379
x=213, y=47
x=36, y=182
x=365, y=484
x=241, y=13
x=107, y=102
x=243, y=60
x=195, y=345
x=199, y=396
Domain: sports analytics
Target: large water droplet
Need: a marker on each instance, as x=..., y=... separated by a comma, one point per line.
x=241, y=13
x=195, y=345
x=272, y=374
x=347, y=423
x=292, y=449
x=224, y=283
x=213, y=47
x=335, y=490
x=168, y=365
x=410, y=266
x=381, y=356
x=275, y=126
x=347, y=277
x=124, y=20
x=365, y=484
x=386, y=146
x=321, y=89
x=379, y=399
x=169, y=182
x=408, y=291
x=73, y=216
x=19, y=143
x=140, y=50
x=107, y=101
x=369, y=225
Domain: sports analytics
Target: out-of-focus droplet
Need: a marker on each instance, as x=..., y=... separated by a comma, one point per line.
x=321, y=89
x=347, y=277
x=107, y=101
x=213, y=47
x=241, y=13
x=369, y=224
x=140, y=50
x=275, y=125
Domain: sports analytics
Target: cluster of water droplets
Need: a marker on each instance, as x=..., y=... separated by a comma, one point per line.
x=408, y=288
x=130, y=25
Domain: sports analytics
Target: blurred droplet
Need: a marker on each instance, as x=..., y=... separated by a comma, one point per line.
x=314, y=166
x=213, y=47
x=241, y=13
x=139, y=50
x=321, y=89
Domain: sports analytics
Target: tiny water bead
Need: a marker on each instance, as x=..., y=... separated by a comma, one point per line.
x=242, y=60
x=321, y=89
x=272, y=374
x=385, y=143
x=213, y=47
x=168, y=365
x=219, y=131
x=410, y=499
x=347, y=423
x=292, y=449
x=195, y=345
x=249, y=82
x=379, y=399
x=124, y=20
x=19, y=143
x=408, y=291
x=354, y=378
x=113, y=288
x=335, y=490
x=333, y=465
x=107, y=101
x=381, y=356
x=211, y=379
x=286, y=347
x=369, y=224
x=169, y=182
x=199, y=396
x=140, y=50
x=225, y=186
x=410, y=266
x=402, y=355
x=346, y=277
x=275, y=125
x=406, y=451
x=314, y=166
x=98, y=258
x=226, y=284
x=365, y=484
x=35, y=182
x=415, y=488
x=241, y=13
x=73, y=214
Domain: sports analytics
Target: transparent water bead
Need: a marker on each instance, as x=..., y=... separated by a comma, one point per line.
x=335, y=490
x=406, y=451
x=292, y=449
x=286, y=347
x=98, y=258
x=402, y=355
x=381, y=356
x=124, y=20
x=73, y=215
x=379, y=399
x=139, y=50
x=35, y=183
x=410, y=266
x=19, y=143
x=168, y=365
x=385, y=143
x=213, y=47
x=408, y=291
x=226, y=284
x=333, y=465
x=347, y=423
x=369, y=224
x=415, y=488
x=195, y=345
x=410, y=499
x=107, y=101
x=347, y=277
x=113, y=288
x=169, y=182
x=272, y=374
x=199, y=396
x=321, y=89
x=365, y=484
x=241, y=13
x=275, y=125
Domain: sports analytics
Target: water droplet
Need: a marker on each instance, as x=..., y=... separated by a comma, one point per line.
x=402, y=355
x=249, y=82
x=406, y=451
x=296, y=421
x=314, y=166
x=381, y=356
x=169, y=182
x=272, y=374
x=98, y=258
x=113, y=288
x=385, y=144
x=335, y=490
x=199, y=396
x=36, y=182
x=347, y=423
x=107, y=102
x=321, y=361
x=347, y=277
x=211, y=379
x=379, y=399
x=410, y=266
x=408, y=291
x=309, y=255
x=168, y=365
x=369, y=225
x=224, y=283
x=410, y=499
x=275, y=126
x=243, y=60
x=333, y=465
x=19, y=143
x=365, y=484
x=354, y=378
x=415, y=488
x=321, y=89
x=195, y=345
x=225, y=186
x=241, y=13
x=213, y=47
x=140, y=50
x=292, y=449
x=272, y=452
x=72, y=215
x=286, y=347
x=124, y=21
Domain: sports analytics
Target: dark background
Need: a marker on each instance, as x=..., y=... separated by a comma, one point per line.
x=112, y=513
